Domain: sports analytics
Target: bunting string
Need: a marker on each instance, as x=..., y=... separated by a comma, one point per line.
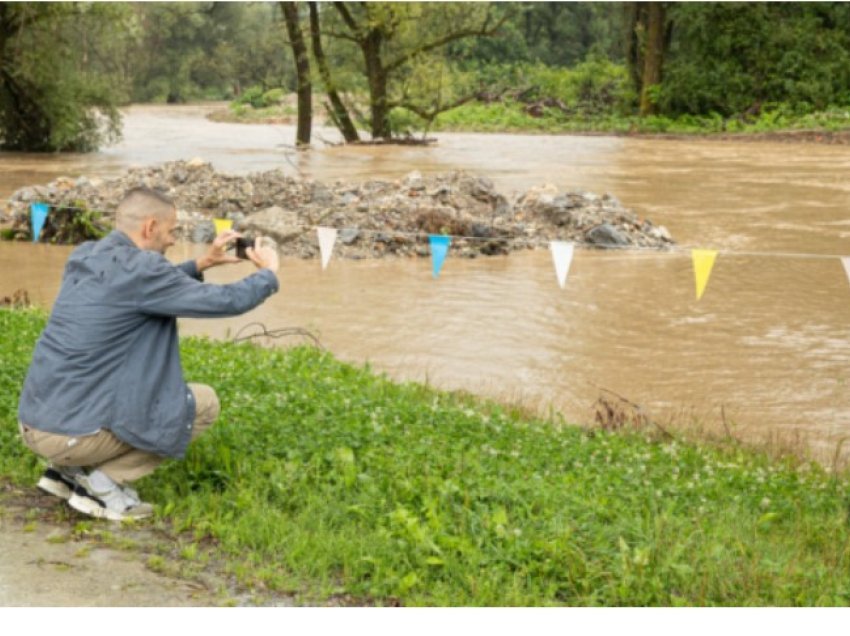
x=562, y=251
x=666, y=249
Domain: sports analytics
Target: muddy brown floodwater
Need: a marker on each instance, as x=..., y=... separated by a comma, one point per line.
x=767, y=347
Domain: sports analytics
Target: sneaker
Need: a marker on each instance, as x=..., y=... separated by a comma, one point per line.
x=131, y=495
x=98, y=496
x=59, y=481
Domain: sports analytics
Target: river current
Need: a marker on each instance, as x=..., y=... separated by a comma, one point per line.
x=764, y=354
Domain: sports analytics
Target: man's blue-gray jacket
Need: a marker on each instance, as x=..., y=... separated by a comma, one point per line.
x=109, y=357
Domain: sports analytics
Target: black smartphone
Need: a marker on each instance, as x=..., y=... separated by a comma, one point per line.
x=242, y=244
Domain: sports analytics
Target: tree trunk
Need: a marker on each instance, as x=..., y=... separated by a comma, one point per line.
x=302, y=70
x=635, y=19
x=653, y=56
x=373, y=31
x=377, y=76
x=338, y=111
x=5, y=29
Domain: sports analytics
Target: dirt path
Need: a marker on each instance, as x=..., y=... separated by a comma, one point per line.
x=47, y=559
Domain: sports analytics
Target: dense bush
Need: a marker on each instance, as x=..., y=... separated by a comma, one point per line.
x=735, y=57
x=50, y=98
x=257, y=97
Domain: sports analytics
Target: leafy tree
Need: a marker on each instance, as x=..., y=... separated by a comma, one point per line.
x=732, y=58
x=171, y=46
x=560, y=34
x=197, y=50
x=59, y=85
x=395, y=38
x=252, y=50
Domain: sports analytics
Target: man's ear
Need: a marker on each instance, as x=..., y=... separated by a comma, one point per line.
x=148, y=227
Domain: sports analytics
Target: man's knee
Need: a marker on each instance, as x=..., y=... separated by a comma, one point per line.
x=65, y=450
x=207, y=406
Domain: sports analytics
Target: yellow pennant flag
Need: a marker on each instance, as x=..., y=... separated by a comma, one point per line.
x=703, y=262
x=222, y=225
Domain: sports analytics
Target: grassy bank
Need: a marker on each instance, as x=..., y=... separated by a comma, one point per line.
x=513, y=117
x=322, y=478
x=240, y=114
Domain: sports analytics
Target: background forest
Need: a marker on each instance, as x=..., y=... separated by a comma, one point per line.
x=384, y=70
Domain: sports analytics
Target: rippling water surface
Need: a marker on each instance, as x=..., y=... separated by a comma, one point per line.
x=765, y=352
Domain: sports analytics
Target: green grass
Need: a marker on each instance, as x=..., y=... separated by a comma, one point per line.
x=510, y=117
x=323, y=478
x=245, y=114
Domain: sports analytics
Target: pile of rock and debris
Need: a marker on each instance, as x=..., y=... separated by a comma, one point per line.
x=374, y=218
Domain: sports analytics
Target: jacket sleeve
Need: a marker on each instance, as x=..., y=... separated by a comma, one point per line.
x=190, y=268
x=166, y=290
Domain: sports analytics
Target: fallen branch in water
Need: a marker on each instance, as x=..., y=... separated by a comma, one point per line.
x=615, y=416
x=20, y=298
x=276, y=333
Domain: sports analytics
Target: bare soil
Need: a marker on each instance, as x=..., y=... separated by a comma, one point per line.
x=52, y=557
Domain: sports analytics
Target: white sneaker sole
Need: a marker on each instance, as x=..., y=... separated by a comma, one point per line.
x=92, y=508
x=55, y=488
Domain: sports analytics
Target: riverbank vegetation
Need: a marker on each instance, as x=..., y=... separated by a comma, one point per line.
x=322, y=479
x=628, y=68
x=383, y=70
x=514, y=117
x=592, y=97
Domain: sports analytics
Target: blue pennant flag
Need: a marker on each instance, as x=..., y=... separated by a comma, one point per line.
x=439, y=249
x=38, y=215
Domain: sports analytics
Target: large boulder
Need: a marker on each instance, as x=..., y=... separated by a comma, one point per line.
x=606, y=235
x=280, y=224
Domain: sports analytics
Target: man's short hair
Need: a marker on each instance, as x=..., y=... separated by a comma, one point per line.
x=141, y=203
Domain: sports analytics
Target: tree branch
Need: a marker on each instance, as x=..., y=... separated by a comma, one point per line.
x=428, y=115
x=349, y=20
x=449, y=37
x=341, y=36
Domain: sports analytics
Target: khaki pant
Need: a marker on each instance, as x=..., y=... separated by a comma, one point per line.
x=120, y=461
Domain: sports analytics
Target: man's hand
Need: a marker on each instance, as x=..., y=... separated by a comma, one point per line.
x=263, y=256
x=217, y=253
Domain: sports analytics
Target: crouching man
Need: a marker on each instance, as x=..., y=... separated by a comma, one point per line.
x=104, y=401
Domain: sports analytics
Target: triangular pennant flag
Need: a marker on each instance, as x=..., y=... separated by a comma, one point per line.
x=439, y=249
x=222, y=225
x=327, y=238
x=845, y=260
x=38, y=215
x=703, y=262
x=562, y=253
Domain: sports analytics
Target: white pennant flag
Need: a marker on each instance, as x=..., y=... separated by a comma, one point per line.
x=562, y=254
x=327, y=238
x=845, y=260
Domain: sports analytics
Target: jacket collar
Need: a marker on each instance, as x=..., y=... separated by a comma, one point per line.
x=117, y=237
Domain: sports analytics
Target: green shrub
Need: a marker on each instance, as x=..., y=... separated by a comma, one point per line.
x=594, y=86
x=252, y=96
x=404, y=121
x=272, y=97
x=258, y=98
